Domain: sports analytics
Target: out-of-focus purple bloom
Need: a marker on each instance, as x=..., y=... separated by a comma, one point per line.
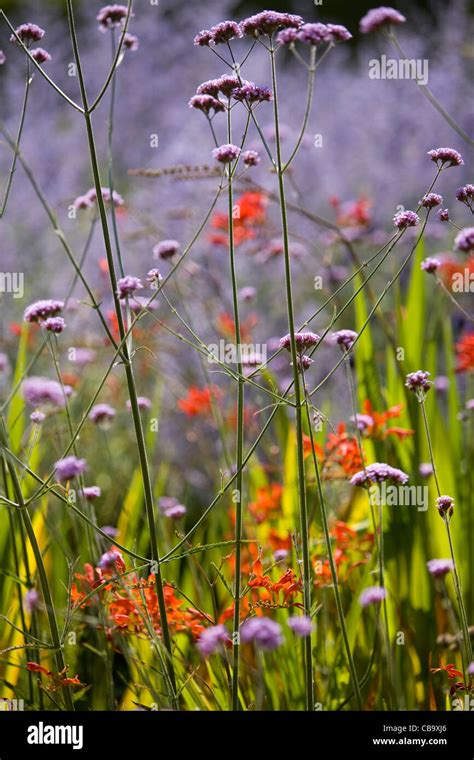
x=303, y=340
x=314, y=34
x=28, y=33
x=211, y=640
x=54, y=324
x=303, y=362
x=69, y=468
x=431, y=200
x=446, y=157
x=377, y=18
x=127, y=286
x=268, y=22
x=206, y=103
x=3, y=58
x=425, y=469
x=108, y=559
x=445, y=505
x=37, y=417
x=372, y=595
x=280, y=555
x=40, y=310
x=171, y=507
x=90, y=198
x=84, y=355
x=248, y=293
x=252, y=93
x=139, y=302
x=418, y=381
x=430, y=265
x=166, y=249
x=441, y=383
x=470, y=668
x=41, y=391
x=344, y=338
x=378, y=472
x=111, y=16
x=301, y=625
x=339, y=33
x=405, y=219
x=250, y=158
x=227, y=153
x=102, y=414
x=4, y=362
x=40, y=55
x=363, y=421
x=266, y=633
x=464, y=240
x=443, y=214
x=439, y=567
x=142, y=401
x=91, y=493
x=224, y=32
x=32, y=600
x=287, y=36
x=154, y=277
x=110, y=531
x=130, y=42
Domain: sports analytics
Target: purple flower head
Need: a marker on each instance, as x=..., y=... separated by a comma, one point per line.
x=211, y=640
x=40, y=391
x=430, y=265
x=287, y=36
x=279, y=555
x=210, y=87
x=465, y=195
x=127, y=286
x=110, y=530
x=84, y=355
x=464, y=240
x=441, y=383
x=431, y=200
x=3, y=58
x=363, y=421
x=111, y=16
x=425, y=469
x=378, y=472
x=405, y=219
x=250, y=158
x=166, y=249
x=301, y=625
x=314, y=34
x=32, y=600
x=445, y=505
x=90, y=198
x=108, y=559
x=224, y=32
x=439, y=567
x=339, y=33
x=54, y=324
x=40, y=310
x=470, y=668
x=443, y=214
x=37, y=418
x=303, y=340
x=225, y=154
x=203, y=38
x=102, y=414
x=91, y=493
x=227, y=83
x=248, y=293
x=138, y=303
x=252, y=93
x=372, y=595
x=377, y=18
x=143, y=403
x=266, y=633
x=303, y=362
x=28, y=33
x=344, y=338
x=171, y=507
x=448, y=156
x=268, y=22
x=418, y=381
x=69, y=468
x=40, y=55
x=206, y=103
x=131, y=42
x=154, y=277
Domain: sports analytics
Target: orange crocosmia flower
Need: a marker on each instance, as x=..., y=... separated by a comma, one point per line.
x=278, y=540
x=198, y=400
x=354, y=213
x=268, y=500
x=449, y=669
x=35, y=668
x=451, y=267
x=465, y=353
x=288, y=583
x=249, y=211
x=342, y=451
x=307, y=448
x=379, y=428
x=226, y=325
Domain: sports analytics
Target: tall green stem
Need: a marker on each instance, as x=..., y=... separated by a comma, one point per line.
x=309, y=685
